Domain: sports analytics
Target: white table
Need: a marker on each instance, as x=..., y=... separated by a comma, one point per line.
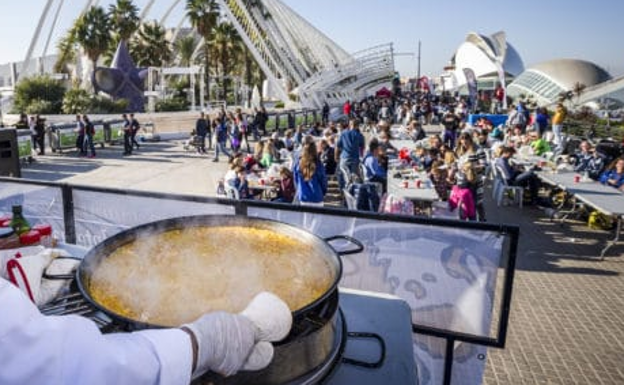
x=425, y=194
x=606, y=199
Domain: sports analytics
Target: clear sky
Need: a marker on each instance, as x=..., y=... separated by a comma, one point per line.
x=539, y=29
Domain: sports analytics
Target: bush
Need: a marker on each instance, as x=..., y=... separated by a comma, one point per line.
x=39, y=95
x=76, y=100
x=104, y=105
x=279, y=104
x=40, y=106
x=172, y=104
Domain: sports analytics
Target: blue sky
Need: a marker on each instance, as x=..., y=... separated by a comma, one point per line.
x=539, y=30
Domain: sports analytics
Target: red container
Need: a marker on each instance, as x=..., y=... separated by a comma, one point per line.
x=405, y=184
x=577, y=178
x=30, y=238
x=418, y=183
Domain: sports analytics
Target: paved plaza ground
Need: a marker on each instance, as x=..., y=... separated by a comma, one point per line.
x=567, y=317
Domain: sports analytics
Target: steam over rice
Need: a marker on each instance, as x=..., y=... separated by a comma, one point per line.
x=174, y=277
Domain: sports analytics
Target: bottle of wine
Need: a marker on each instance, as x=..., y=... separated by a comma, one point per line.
x=19, y=224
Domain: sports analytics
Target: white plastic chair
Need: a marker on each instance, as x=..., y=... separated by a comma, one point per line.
x=350, y=200
x=231, y=192
x=517, y=192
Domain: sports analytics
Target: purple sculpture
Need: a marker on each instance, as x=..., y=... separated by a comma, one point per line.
x=123, y=80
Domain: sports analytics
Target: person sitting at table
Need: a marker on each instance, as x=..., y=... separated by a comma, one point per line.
x=327, y=156
x=240, y=183
x=422, y=158
x=539, y=145
x=289, y=142
x=374, y=172
x=415, y=131
x=258, y=151
x=286, y=186
x=614, y=174
x=309, y=175
x=277, y=142
x=587, y=160
x=384, y=143
x=517, y=176
x=268, y=154
x=439, y=176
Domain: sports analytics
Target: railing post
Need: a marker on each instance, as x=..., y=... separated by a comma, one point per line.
x=277, y=121
x=69, y=218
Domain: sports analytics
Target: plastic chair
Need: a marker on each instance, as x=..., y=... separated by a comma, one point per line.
x=350, y=200
x=231, y=192
x=503, y=188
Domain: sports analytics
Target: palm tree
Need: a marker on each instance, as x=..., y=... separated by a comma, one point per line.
x=150, y=48
x=228, y=50
x=185, y=47
x=124, y=17
x=92, y=33
x=203, y=15
x=67, y=48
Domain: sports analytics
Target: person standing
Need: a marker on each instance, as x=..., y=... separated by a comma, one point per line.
x=349, y=148
x=127, y=130
x=325, y=114
x=557, y=123
x=80, y=135
x=134, y=128
x=264, y=118
x=32, y=124
x=40, y=134
x=89, y=130
x=201, y=130
x=310, y=178
x=221, y=134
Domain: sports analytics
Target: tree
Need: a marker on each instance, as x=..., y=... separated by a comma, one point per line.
x=203, y=15
x=124, y=18
x=149, y=47
x=185, y=48
x=92, y=32
x=67, y=48
x=228, y=52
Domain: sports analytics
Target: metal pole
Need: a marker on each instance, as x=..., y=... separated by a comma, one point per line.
x=68, y=214
x=418, y=73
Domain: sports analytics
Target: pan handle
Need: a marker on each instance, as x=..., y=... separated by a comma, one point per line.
x=363, y=364
x=359, y=247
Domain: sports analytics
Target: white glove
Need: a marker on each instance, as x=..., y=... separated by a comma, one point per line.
x=228, y=342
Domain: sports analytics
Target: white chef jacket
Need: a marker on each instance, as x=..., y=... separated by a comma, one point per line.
x=39, y=349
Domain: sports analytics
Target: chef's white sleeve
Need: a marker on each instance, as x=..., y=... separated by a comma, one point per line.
x=38, y=349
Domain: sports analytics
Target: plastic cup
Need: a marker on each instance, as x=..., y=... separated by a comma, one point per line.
x=577, y=178
x=405, y=184
x=418, y=183
x=262, y=182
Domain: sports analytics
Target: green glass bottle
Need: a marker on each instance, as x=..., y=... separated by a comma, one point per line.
x=19, y=224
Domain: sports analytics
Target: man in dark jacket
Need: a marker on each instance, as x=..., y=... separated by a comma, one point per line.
x=202, y=128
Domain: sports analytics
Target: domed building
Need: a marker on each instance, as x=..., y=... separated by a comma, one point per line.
x=484, y=55
x=545, y=82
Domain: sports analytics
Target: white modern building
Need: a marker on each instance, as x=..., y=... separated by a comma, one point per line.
x=547, y=81
x=489, y=57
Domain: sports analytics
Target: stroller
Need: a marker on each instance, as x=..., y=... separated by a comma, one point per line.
x=193, y=143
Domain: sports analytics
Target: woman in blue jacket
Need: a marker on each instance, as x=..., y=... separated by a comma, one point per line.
x=310, y=177
x=614, y=175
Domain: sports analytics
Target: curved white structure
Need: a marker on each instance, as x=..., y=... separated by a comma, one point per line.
x=487, y=56
x=546, y=81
